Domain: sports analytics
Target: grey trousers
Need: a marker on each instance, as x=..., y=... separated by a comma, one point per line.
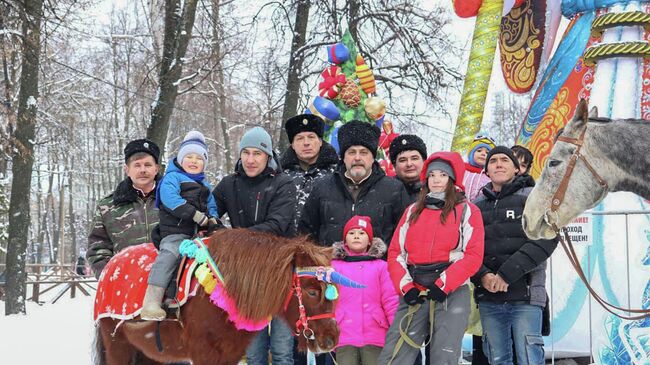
x=351, y=355
x=450, y=321
x=165, y=264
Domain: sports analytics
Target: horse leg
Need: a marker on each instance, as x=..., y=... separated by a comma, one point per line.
x=118, y=350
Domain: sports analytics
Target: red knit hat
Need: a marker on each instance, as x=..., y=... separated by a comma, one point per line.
x=359, y=222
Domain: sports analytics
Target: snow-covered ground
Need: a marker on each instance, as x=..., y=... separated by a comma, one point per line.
x=59, y=333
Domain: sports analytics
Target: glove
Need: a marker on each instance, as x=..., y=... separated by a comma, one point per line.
x=200, y=218
x=214, y=225
x=436, y=294
x=412, y=297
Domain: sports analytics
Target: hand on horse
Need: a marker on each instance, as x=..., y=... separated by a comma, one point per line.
x=436, y=293
x=214, y=225
x=412, y=297
x=200, y=218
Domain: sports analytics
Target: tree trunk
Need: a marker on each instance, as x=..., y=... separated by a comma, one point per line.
x=7, y=106
x=292, y=94
x=219, y=106
x=178, y=32
x=354, y=8
x=71, y=218
x=23, y=159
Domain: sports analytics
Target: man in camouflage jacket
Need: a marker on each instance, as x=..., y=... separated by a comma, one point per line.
x=127, y=216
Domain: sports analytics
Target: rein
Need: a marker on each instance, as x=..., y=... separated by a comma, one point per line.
x=565, y=240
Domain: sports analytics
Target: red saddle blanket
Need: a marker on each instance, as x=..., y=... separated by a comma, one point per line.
x=123, y=283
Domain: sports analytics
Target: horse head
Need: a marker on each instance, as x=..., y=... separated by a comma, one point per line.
x=286, y=277
x=310, y=306
x=569, y=184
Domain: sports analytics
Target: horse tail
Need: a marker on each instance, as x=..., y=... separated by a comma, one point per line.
x=99, y=351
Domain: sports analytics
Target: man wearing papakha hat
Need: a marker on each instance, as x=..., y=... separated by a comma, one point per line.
x=127, y=216
x=260, y=197
x=407, y=154
x=308, y=158
x=357, y=187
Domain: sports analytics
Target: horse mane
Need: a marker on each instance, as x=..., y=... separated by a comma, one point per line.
x=257, y=267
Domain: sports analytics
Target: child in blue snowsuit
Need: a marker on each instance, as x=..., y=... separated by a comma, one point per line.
x=185, y=206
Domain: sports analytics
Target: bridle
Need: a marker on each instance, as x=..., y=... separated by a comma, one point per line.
x=563, y=234
x=558, y=197
x=302, y=324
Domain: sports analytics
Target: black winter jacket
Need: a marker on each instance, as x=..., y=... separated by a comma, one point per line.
x=304, y=180
x=521, y=262
x=263, y=203
x=412, y=189
x=330, y=205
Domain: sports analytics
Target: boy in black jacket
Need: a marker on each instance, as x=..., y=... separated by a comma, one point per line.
x=510, y=285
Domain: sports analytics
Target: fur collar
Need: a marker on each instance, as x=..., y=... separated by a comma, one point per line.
x=125, y=193
x=326, y=156
x=376, y=251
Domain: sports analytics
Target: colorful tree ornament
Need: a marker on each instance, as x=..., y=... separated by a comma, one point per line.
x=375, y=108
x=338, y=53
x=324, y=108
x=365, y=76
x=333, y=79
x=344, y=95
x=350, y=94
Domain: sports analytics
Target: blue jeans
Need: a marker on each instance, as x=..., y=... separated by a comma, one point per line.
x=279, y=340
x=505, y=323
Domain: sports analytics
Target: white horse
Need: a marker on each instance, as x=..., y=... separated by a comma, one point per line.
x=591, y=157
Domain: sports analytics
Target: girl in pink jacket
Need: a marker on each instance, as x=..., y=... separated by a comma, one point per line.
x=363, y=315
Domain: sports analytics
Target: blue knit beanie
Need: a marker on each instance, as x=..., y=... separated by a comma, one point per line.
x=478, y=142
x=259, y=138
x=194, y=142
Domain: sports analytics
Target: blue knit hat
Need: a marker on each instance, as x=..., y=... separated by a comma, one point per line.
x=194, y=142
x=478, y=142
x=259, y=138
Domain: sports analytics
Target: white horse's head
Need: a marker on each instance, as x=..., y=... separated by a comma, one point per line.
x=584, y=188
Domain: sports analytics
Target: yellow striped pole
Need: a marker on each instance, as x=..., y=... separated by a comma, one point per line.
x=477, y=78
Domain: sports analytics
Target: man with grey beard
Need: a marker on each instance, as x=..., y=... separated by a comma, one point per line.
x=357, y=187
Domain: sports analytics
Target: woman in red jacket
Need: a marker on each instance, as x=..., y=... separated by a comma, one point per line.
x=436, y=248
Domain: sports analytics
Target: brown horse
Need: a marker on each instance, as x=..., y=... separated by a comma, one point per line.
x=259, y=274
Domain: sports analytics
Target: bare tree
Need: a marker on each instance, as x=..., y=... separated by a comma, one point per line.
x=296, y=57
x=178, y=32
x=506, y=117
x=23, y=158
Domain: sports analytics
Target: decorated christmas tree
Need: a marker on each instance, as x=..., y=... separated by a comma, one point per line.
x=347, y=91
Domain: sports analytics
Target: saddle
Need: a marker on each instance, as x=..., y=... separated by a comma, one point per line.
x=123, y=282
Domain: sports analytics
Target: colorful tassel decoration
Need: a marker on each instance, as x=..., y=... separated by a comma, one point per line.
x=365, y=76
x=333, y=79
x=188, y=248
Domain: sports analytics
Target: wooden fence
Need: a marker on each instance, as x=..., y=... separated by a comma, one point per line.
x=43, y=278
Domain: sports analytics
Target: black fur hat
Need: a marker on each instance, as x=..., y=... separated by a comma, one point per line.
x=141, y=145
x=358, y=133
x=407, y=142
x=304, y=123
